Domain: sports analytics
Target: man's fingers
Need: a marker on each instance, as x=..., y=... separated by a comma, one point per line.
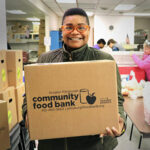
x=115, y=131
x=109, y=132
x=26, y=122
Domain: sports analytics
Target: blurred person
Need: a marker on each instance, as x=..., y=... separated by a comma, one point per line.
x=144, y=63
x=100, y=44
x=75, y=32
x=114, y=45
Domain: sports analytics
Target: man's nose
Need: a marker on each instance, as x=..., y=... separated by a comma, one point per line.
x=75, y=31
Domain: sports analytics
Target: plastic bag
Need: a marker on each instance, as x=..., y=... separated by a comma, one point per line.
x=146, y=95
x=134, y=88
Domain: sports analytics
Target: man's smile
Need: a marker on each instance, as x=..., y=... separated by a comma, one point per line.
x=75, y=38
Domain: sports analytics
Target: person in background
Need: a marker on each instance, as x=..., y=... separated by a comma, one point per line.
x=100, y=44
x=114, y=45
x=75, y=32
x=144, y=63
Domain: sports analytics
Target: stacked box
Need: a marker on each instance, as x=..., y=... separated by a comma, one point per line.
x=41, y=37
x=3, y=70
x=15, y=77
x=4, y=131
x=14, y=67
x=9, y=96
x=19, y=92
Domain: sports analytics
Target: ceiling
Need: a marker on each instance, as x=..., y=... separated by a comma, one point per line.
x=98, y=7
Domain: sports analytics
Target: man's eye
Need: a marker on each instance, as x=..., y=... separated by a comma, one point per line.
x=68, y=28
x=81, y=28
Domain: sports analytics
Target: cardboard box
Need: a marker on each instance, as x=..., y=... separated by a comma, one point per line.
x=3, y=70
x=9, y=96
x=19, y=92
x=14, y=67
x=71, y=99
x=4, y=131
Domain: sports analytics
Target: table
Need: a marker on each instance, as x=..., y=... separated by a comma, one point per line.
x=135, y=111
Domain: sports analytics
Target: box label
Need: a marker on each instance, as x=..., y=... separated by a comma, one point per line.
x=3, y=75
x=67, y=100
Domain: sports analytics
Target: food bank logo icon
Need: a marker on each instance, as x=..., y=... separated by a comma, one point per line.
x=86, y=97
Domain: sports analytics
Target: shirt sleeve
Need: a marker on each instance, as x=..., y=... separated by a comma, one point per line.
x=143, y=64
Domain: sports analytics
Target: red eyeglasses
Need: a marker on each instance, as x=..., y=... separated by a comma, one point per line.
x=71, y=28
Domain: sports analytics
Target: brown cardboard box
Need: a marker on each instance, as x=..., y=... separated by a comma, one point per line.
x=3, y=70
x=9, y=96
x=14, y=67
x=4, y=131
x=71, y=99
x=19, y=92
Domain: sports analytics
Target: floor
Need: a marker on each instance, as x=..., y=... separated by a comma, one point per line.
x=126, y=144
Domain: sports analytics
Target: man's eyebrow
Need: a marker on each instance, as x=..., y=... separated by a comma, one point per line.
x=78, y=24
x=69, y=24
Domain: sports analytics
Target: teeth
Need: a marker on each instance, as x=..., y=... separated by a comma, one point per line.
x=75, y=38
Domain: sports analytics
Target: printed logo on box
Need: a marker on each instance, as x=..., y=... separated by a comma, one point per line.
x=60, y=100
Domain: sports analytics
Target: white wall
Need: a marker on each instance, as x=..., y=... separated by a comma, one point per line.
x=91, y=37
x=123, y=25
x=3, y=33
x=51, y=23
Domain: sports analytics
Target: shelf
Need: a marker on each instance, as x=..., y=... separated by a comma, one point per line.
x=22, y=41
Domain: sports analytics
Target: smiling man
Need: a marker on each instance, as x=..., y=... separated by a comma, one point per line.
x=75, y=30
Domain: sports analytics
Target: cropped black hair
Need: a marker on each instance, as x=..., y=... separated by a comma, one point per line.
x=75, y=11
x=111, y=41
x=101, y=41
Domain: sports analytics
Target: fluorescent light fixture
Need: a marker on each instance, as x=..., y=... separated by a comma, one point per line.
x=33, y=19
x=16, y=12
x=122, y=7
x=66, y=1
x=89, y=13
x=36, y=23
x=137, y=14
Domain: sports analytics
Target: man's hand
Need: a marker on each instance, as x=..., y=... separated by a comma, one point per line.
x=113, y=131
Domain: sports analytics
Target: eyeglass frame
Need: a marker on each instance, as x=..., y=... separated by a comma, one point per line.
x=75, y=28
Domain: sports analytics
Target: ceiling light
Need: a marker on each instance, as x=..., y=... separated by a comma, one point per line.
x=36, y=23
x=137, y=14
x=16, y=12
x=66, y=1
x=89, y=13
x=33, y=19
x=124, y=7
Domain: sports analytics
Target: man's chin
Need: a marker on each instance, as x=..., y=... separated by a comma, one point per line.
x=75, y=46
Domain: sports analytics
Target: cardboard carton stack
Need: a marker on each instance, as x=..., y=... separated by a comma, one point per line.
x=41, y=37
x=4, y=131
x=15, y=78
x=11, y=84
x=6, y=92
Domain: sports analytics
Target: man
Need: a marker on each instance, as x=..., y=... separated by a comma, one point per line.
x=100, y=44
x=114, y=45
x=75, y=30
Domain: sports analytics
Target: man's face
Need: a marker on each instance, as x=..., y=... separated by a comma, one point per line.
x=101, y=45
x=75, y=39
x=111, y=45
